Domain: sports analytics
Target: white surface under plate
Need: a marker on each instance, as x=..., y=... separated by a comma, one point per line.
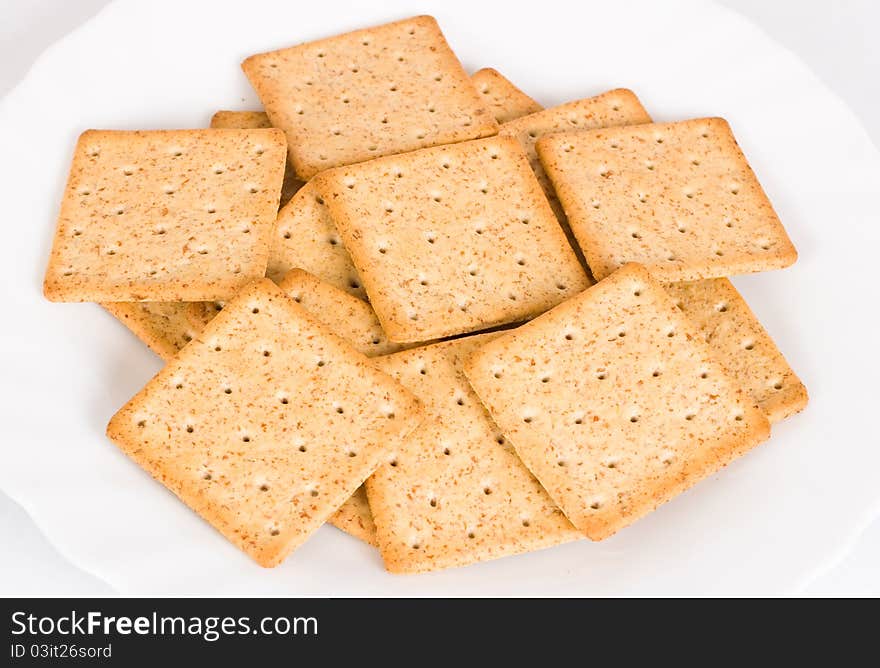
x=766, y=524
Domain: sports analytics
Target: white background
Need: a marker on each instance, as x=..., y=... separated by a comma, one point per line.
x=831, y=37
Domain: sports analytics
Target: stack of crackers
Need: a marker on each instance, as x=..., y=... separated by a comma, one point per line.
x=474, y=328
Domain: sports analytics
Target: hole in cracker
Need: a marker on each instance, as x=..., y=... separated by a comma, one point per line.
x=447, y=451
x=777, y=386
x=284, y=400
x=487, y=491
x=227, y=390
x=142, y=423
x=595, y=505
x=264, y=487
x=526, y=523
x=313, y=492
x=689, y=416
x=302, y=448
x=634, y=418
x=433, y=502
x=246, y=439
x=189, y=429
x=749, y=345
x=274, y=532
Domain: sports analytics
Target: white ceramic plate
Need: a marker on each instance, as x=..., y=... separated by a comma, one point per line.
x=767, y=524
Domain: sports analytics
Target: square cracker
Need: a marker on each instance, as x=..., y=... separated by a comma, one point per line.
x=166, y=215
x=368, y=93
x=265, y=423
x=679, y=198
x=455, y=492
x=504, y=100
x=306, y=237
x=257, y=119
x=452, y=239
x=164, y=326
x=614, y=402
x=724, y=320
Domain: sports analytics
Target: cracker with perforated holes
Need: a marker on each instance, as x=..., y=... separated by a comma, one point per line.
x=455, y=492
x=164, y=326
x=505, y=101
x=306, y=237
x=257, y=119
x=379, y=91
x=266, y=423
x=452, y=239
x=166, y=215
x=723, y=318
x=614, y=402
x=679, y=198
